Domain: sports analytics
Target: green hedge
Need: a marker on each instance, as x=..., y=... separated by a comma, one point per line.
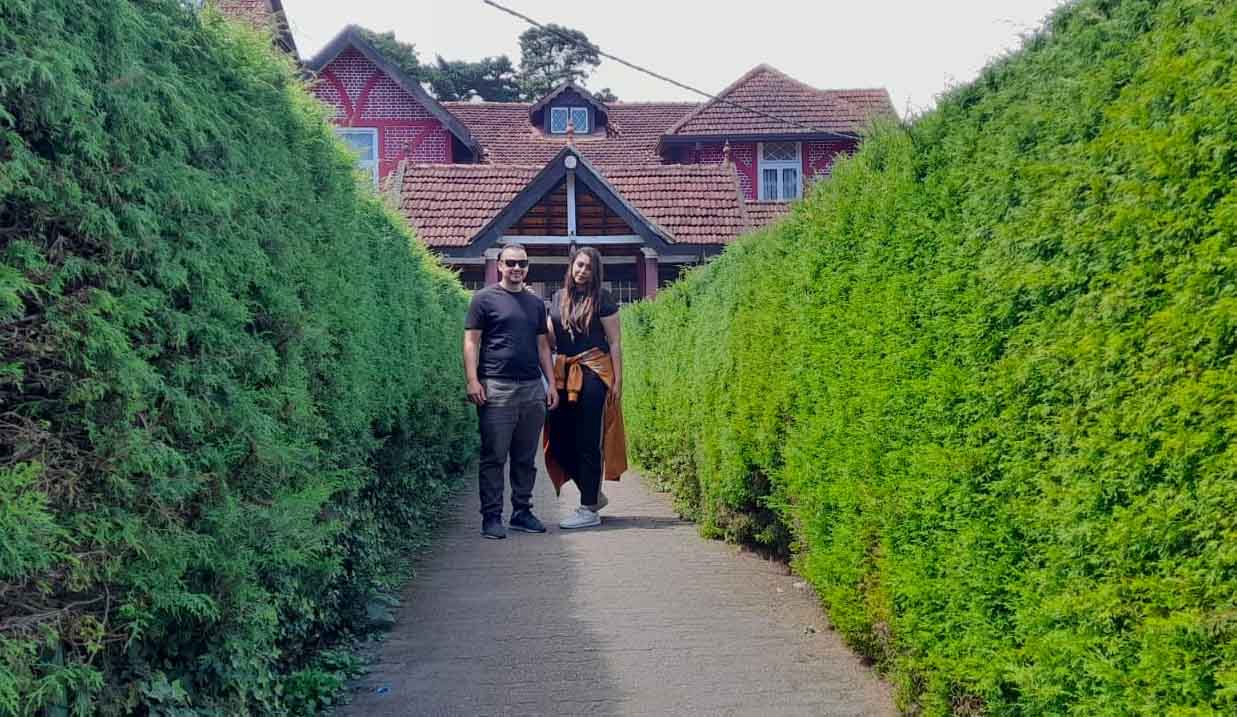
x=981, y=383
x=229, y=375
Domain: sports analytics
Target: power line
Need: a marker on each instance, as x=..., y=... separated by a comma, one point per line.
x=663, y=78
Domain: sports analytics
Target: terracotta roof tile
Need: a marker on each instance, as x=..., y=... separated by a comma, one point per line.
x=808, y=109
x=695, y=203
x=503, y=129
x=447, y=204
x=763, y=214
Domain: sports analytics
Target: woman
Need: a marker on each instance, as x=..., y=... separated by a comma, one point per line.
x=584, y=435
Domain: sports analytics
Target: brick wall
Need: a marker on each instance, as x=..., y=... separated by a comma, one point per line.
x=817, y=159
x=743, y=154
x=364, y=96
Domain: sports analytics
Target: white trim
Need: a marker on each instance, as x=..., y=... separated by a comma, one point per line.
x=762, y=164
x=370, y=165
x=571, y=204
x=531, y=240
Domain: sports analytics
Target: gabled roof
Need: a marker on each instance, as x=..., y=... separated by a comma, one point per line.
x=354, y=36
x=695, y=203
x=447, y=204
x=583, y=93
x=797, y=109
x=262, y=14
x=455, y=205
x=634, y=129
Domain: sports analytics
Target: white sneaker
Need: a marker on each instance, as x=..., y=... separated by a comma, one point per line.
x=602, y=501
x=582, y=518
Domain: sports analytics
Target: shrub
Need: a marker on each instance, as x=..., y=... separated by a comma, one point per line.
x=981, y=381
x=224, y=407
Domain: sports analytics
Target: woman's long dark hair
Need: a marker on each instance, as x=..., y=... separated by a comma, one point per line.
x=578, y=305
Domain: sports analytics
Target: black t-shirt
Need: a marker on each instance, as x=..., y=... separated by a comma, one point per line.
x=510, y=322
x=569, y=345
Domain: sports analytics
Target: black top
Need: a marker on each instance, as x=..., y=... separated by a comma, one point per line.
x=510, y=322
x=568, y=345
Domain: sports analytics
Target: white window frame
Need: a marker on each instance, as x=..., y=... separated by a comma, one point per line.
x=366, y=165
x=763, y=164
x=569, y=110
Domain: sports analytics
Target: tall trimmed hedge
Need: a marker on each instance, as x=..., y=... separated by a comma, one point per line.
x=229, y=374
x=981, y=383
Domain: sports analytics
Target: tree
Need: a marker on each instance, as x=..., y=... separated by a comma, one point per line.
x=605, y=95
x=491, y=78
x=402, y=54
x=552, y=55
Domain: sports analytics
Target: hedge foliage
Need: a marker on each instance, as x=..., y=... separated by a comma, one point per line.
x=981, y=383
x=229, y=375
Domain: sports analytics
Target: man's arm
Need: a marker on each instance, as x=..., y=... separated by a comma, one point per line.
x=614, y=337
x=472, y=353
x=547, y=368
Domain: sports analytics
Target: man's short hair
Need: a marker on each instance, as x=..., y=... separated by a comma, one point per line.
x=512, y=245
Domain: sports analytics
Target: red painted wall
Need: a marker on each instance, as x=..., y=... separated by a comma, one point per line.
x=743, y=154
x=817, y=160
x=364, y=96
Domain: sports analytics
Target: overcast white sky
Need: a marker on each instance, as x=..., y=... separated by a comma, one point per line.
x=913, y=49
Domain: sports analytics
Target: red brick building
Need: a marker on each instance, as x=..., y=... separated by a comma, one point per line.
x=654, y=186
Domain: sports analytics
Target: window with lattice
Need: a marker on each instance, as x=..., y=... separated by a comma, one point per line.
x=560, y=115
x=780, y=168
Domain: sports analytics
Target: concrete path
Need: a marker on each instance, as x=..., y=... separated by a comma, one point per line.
x=638, y=617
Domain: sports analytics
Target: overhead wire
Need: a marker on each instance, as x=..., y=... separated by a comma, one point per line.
x=594, y=48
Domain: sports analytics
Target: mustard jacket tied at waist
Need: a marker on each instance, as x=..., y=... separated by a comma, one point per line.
x=569, y=376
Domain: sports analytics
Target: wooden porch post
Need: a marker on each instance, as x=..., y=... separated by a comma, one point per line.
x=491, y=266
x=646, y=273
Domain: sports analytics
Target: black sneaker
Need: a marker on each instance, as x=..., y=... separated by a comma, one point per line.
x=492, y=528
x=526, y=522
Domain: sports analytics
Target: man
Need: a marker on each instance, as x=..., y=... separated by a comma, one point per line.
x=506, y=354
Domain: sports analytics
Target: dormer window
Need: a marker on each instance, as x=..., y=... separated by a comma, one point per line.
x=779, y=171
x=560, y=115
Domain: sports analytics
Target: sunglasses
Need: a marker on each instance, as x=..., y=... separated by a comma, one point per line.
x=514, y=263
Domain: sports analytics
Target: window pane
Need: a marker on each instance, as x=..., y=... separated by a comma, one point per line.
x=790, y=183
x=769, y=179
x=579, y=117
x=558, y=120
x=781, y=151
x=362, y=142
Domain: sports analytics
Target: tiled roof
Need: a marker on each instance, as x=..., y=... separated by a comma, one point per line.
x=807, y=109
x=503, y=129
x=695, y=203
x=447, y=204
x=762, y=214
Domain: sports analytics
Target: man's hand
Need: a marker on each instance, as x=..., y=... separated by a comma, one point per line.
x=476, y=392
x=551, y=398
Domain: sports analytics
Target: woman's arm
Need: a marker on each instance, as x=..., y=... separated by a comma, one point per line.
x=614, y=337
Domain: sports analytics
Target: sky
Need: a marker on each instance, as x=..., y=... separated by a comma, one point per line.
x=915, y=50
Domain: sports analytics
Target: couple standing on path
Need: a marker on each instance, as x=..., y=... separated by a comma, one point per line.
x=510, y=340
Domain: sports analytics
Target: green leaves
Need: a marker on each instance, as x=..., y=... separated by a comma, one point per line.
x=234, y=367
x=983, y=377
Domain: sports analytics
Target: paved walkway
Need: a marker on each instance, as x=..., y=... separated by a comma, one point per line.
x=638, y=617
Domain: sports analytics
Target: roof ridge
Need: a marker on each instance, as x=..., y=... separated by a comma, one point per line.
x=478, y=165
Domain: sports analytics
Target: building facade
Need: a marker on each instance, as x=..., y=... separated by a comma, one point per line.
x=655, y=186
